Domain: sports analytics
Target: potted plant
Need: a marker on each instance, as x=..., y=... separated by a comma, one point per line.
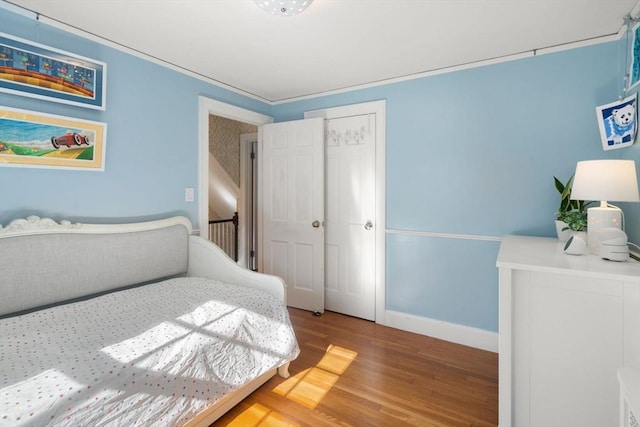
x=572, y=214
x=576, y=220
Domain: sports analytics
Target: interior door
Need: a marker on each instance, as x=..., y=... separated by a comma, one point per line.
x=293, y=209
x=350, y=256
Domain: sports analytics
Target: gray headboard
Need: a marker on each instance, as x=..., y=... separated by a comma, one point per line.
x=42, y=262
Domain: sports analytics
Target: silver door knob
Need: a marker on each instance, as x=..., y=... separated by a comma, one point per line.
x=368, y=225
x=315, y=224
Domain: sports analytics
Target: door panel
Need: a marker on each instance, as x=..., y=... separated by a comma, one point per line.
x=303, y=259
x=293, y=198
x=350, y=243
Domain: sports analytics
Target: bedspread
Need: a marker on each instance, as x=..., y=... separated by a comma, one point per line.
x=153, y=355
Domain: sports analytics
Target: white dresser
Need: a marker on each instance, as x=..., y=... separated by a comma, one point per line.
x=567, y=324
x=629, y=379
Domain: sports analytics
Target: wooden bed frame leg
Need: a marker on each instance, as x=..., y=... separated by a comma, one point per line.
x=283, y=370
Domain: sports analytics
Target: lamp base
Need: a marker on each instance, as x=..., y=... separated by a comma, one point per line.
x=597, y=219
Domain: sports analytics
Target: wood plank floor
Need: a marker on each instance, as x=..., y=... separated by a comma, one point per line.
x=352, y=372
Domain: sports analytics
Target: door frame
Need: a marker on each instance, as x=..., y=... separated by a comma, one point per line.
x=248, y=198
x=379, y=109
x=206, y=107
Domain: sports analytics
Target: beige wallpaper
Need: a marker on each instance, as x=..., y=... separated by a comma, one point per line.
x=224, y=143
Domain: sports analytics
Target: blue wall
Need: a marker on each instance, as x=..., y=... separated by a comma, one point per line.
x=473, y=153
x=470, y=153
x=152, y=139
x=632, y=210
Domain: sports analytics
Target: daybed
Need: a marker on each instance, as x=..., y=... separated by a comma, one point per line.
x=131, y=324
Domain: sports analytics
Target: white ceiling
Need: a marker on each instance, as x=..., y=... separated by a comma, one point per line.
x=334, y=44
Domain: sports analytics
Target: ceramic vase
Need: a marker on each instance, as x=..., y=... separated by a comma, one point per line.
x=563, y=235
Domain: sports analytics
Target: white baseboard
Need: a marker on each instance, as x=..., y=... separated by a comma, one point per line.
x=460, y=334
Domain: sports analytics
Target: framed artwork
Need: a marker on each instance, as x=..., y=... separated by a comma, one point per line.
x=31, y=139
x=618, y=123
x=634, y=70
x=39, y=71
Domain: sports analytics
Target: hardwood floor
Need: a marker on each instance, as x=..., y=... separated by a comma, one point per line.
x=352, y=372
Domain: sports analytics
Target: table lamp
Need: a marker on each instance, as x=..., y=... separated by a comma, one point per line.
x=606, y=181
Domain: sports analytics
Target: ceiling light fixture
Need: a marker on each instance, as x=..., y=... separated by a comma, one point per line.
x=283, y=7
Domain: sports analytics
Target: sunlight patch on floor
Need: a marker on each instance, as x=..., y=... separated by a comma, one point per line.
x=307, y=388
x=310, y=386
x=260, y=416
x=337, y=359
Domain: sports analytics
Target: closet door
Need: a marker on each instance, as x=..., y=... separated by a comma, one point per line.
x=350, y=246
x=293, y=209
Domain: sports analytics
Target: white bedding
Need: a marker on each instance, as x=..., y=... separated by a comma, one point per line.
x=136, y=357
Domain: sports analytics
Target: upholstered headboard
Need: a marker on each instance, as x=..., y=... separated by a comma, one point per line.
x=43, y=262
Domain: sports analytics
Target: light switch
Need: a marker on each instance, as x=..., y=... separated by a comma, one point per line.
x=188, y=194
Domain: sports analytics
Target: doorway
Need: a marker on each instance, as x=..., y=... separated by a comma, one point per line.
x=227, y=185
x=377, y=108
x=209, y=107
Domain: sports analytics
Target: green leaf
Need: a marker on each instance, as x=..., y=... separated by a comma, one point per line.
x=566, y=193
x=559, y=185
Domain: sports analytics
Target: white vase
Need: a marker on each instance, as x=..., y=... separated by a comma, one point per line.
x=581, y=234
x=563, y=235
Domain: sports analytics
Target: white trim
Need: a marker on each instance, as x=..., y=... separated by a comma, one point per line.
x=246, y=139
x=379, y=109
x=415, y=76
x=505, y=326
x=469, y=65
x=550, y=49
x=445, y=235
x=460, y=334
x=581, y=43
x=206, y=107
x=19, y=10
x=84, y=34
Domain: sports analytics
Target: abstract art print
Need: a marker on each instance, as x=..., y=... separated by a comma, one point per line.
x=39, y=71
x=618, y=123
x=634, y=70
x=31, y=139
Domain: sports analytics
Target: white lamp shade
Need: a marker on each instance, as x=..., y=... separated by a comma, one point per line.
x=606, y=180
